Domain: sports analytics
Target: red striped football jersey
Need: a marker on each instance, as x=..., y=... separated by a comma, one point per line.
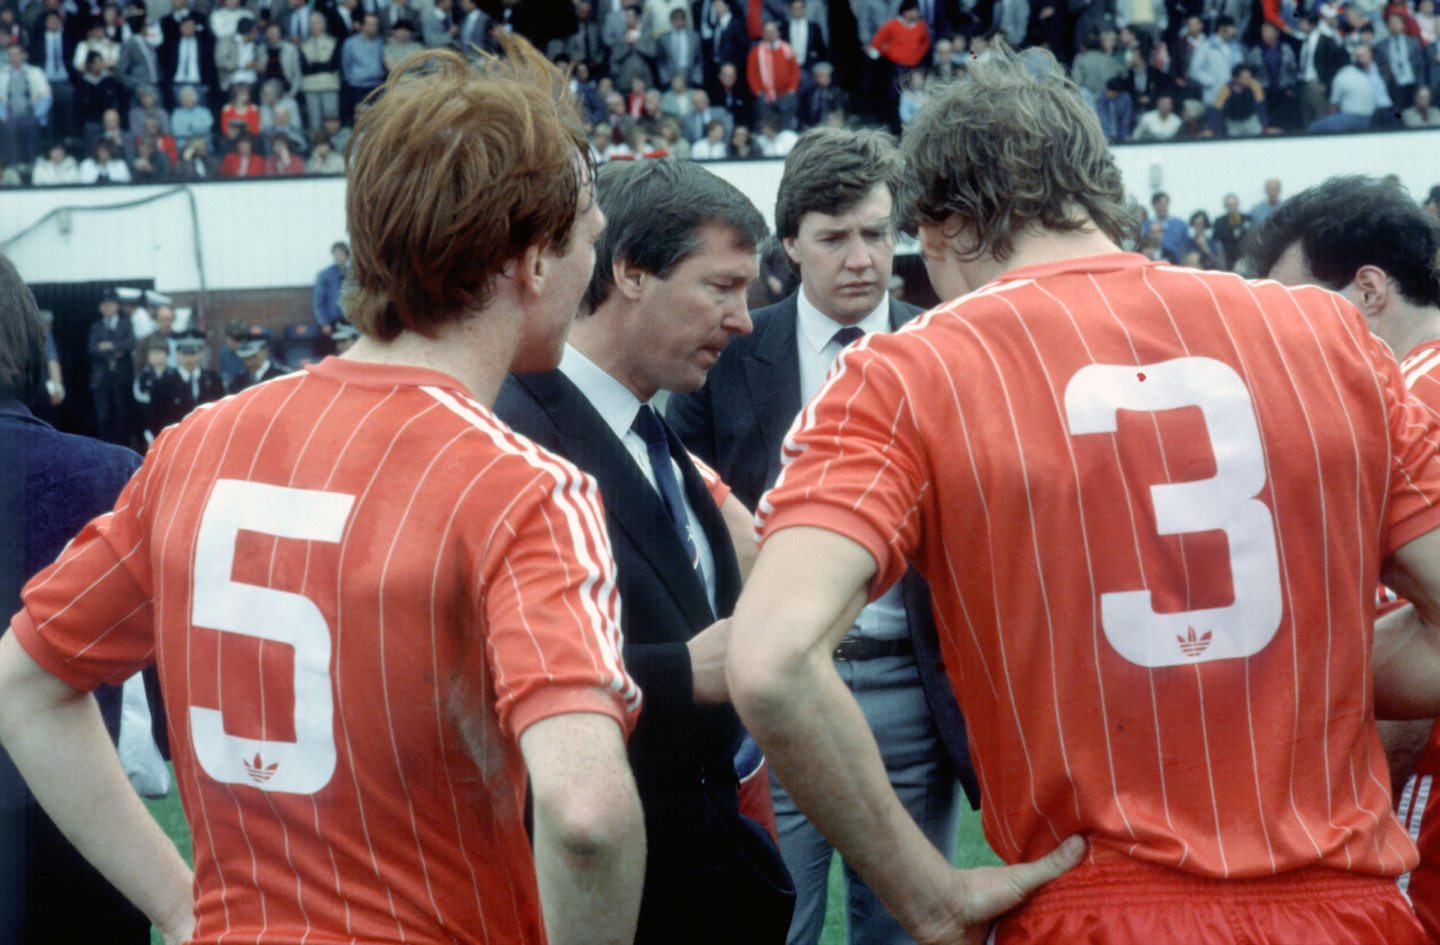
x=1152, y=504
x=360, y=587
x=1418, y=803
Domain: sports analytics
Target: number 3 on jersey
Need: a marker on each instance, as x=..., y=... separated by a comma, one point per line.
x=1225, y=502
x=305, y=765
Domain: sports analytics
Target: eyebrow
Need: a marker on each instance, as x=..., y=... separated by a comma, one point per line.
x=881, y=223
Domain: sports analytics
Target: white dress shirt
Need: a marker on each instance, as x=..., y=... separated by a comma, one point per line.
x=618, y=407
x=884, y=618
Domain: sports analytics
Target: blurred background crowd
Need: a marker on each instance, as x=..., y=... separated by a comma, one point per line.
x=153, y=91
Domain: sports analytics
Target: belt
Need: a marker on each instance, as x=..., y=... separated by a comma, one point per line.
x=859, y=649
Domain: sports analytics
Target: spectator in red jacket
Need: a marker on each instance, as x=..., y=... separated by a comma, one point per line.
x=243, y=161
x=903, y=42
x=774, y=73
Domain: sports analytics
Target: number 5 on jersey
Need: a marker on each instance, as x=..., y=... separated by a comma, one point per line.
x=1225, y=502
x=305, y=765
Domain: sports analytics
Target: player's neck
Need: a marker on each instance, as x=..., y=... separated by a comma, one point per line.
x=474, y=351
x=1038, y=247
x=1411, y=327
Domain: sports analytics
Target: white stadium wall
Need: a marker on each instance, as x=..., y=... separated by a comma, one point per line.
x=247, y=235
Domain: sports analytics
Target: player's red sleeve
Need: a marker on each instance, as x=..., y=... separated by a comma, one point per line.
x=1414, y=506
x=87, y=618
x=853, y=464
x=550, y=605
x=719, y=488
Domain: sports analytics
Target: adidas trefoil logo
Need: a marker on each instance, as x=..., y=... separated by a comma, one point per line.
x=260, y=772
x=1190, y=644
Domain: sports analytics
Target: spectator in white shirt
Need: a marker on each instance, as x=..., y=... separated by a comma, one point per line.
x=104, y=168
x=1162, y=124
x=712, y=147
x=56, y=169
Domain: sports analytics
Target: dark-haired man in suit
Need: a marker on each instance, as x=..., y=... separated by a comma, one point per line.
x=833, y=216
x=668, y=293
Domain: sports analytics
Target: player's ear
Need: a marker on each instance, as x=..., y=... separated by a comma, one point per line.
x=1371, y=288
x=528, y=270
x=789, y=244
x=629, y=278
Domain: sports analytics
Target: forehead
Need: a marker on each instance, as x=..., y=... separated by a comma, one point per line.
x=721, y=255
x=870, y=210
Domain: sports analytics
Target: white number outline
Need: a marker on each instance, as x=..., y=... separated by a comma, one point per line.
x=1227, y=501
x=220, y=603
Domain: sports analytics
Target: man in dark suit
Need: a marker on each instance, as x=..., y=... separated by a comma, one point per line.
x=255, y=352
x=51, y=484
x=1401, y=59
x=668, y=293
x=187, y=385
x=727, y=43
x=189, y=59
x=833, y=217
x=804, y=36
x=111, y=346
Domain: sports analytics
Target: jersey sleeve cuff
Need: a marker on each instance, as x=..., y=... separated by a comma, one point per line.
x=1403, y=533
x=888, y=566
x=549, y=701
x=40, y=650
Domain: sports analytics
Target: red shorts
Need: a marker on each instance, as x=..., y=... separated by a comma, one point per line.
x=1131, y=902
x=1419, y=811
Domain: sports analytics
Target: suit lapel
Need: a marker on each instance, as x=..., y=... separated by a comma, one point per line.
x=772, y=378
x=632, y=507
x=900, y=313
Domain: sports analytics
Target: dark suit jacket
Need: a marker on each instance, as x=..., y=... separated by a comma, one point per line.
x=737, y=423
x=170, y=61
x=815, y=50
x=172, y=398
x=51, y=484
x=711, y=875
x=244, y=380
x=113, y=367
x=733, y=47
x=1412, y=51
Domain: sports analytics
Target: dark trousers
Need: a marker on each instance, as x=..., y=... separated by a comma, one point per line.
x=350, y=96
x=112, y=409
x=22, y=139
x=62, y=112
x=50, y=894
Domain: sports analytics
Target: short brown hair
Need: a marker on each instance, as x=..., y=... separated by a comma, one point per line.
x=1008, y=145
x=454, y=171
x=830, y=170
x=22, y=337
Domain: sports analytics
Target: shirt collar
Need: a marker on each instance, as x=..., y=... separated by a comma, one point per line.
x=616, y=403
x=816, y=328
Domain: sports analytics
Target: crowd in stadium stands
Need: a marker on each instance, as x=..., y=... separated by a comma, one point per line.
x=139, y=340
x=185, y=90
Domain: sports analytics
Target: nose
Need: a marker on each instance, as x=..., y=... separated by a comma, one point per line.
x=737, y=320
x=857, y=254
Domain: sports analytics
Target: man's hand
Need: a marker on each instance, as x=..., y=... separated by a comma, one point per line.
x=984, y=894
x=707, y=663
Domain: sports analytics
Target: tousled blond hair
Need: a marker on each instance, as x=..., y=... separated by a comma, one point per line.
x=1008, y=145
